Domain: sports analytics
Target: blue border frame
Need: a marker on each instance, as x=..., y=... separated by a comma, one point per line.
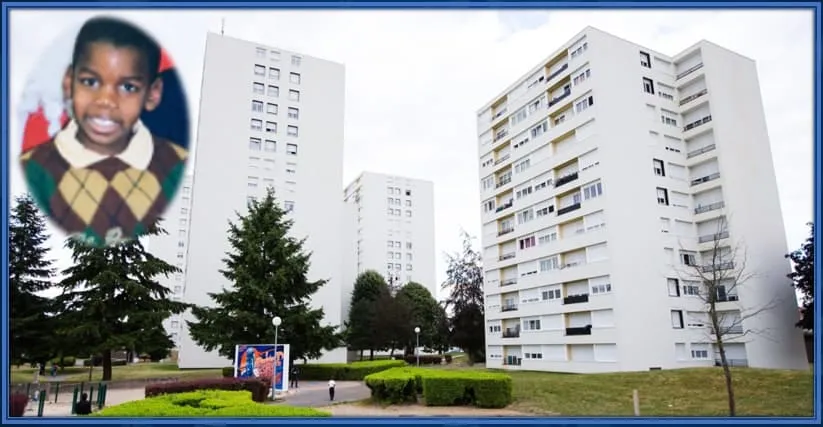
x=5, y=201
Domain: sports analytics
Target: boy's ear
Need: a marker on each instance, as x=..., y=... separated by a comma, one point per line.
x=154, y=95
x=67, y=78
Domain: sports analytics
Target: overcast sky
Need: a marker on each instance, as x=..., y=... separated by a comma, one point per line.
x=414, y=81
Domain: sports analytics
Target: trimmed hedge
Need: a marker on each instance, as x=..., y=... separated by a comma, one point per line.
x=259, y=388
x=205, y=403
x=355, y=371
x=228, y=372
x=67, y=361
x=425, y=359
x=441, y=388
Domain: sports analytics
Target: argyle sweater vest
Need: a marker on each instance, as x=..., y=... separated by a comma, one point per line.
x=109, y=201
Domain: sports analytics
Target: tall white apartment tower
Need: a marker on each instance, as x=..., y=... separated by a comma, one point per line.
x=268, y=118
x=605, y=173
x=394, y=219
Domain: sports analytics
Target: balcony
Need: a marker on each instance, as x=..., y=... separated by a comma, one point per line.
x=584, y=330
x=566, y=179
x=576, y=299
x=712, y=237
x=505, y=206
x=697, y=123
x=511, y=333
x=500, y=135
x=508, y=307
x=556, y=100
x=706, y=178
x=504, y=257
x=728, y=265
x=508, y=282
x=709, y=207
x=503, y=181
x=500, y=113
x=700, y=151
x=692, y=97
x=567, y=209
x=727, y=298
x=689, y=71
x=502, y=159
x=557, y=73
x=730, y=330
x=505, y=231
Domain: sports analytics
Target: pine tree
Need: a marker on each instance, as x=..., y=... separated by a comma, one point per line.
x=267, y=270
x=465, y=285
x=803, y=278
x=363, y=320
x=30, y=272
x=111, y=296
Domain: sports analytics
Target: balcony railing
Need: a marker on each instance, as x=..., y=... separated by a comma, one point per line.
x=689, y=71
x=505, y=206
x=713, y=237
x=700, y=151
x=508, y=307
x=500, y=113
x=500, y=135
x=706, y=178
x=509, y=282
x=567, y=209
x=564, y=67
x=709, y=207
x=504, y=231
x=726, y=298
x=735, y=363
x=565, y=94
x=503, y=182
x=697, y=123
x=728, y=265
x=502, y=159
x=585, y=330
x=566, y=179
x=576, y=299
x=726, y=330
x=511, y=333
x=509, y=255
x=693, y=96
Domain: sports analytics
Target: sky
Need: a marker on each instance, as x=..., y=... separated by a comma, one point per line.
x=416, y=79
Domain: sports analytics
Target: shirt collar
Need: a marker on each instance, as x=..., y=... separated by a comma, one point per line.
x=137, y=154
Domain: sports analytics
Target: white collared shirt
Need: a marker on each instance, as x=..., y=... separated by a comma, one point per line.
x=137, y=154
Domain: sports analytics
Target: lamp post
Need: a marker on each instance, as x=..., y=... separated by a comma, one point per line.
x=417, y=348
x=276, y=321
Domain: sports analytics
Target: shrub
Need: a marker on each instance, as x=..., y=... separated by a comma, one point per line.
x=259, y=388
x=441, y=388
x=17, y=404
x=355, y=371
x=425, y=359
x=205, y=403
x=396, y=385
x=448, y=358
x=228, y=372
x=67, y=361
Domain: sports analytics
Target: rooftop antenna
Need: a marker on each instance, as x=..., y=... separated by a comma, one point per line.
x=222, y=26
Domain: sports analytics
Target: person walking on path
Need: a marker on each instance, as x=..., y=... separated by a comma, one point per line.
x=293, y=377
x=83, y=407
x=331, y=389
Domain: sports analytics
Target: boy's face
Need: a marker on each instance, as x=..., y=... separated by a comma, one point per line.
x=109, y=88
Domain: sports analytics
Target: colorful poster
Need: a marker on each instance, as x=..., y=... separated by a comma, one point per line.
x=262, y=361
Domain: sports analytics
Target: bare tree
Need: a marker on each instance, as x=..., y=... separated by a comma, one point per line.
x=715, y=276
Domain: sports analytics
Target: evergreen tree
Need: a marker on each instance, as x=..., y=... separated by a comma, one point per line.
x=363, y=320
x=424, y=312
x=111, y=296
x=31, y=322
x=465, y=285
x=267, y=270
x=803, y=278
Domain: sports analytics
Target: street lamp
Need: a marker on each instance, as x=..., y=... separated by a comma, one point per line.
x=276, y=321
x=417, y=348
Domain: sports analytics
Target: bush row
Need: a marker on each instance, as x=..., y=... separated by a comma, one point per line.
x=441, y=388
x=205, y=403
x=355, y=371
x=259, y=388
x=67, y=361
x=425, y=359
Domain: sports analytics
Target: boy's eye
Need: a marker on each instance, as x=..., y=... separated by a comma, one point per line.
x=87, y=81
x=128, y=87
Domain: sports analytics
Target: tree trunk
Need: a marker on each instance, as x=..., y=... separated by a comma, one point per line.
x=727, y=373
x=371, y=354
x=106, y=365
x=361, y=354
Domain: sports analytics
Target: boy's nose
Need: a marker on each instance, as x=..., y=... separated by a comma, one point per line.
x=106, y=97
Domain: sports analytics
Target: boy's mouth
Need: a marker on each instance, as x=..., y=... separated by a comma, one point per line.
x=102, y=126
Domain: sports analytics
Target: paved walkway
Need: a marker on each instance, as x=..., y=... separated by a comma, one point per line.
x=316, y=393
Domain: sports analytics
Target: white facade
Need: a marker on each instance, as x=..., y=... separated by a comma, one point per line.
x=602, y=171
x=268, y=118
x=394, y=221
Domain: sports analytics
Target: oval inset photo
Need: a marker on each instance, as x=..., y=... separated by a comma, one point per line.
x=106, y=133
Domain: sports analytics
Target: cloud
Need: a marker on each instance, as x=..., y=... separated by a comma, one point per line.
x=415, y=80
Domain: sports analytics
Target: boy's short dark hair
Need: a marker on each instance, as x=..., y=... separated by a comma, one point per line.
x=120, y=34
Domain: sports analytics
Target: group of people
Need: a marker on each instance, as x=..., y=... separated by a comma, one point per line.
x=294, y=382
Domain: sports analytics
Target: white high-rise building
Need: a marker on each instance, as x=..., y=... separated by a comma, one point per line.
x=393, y=219
x=605, y=172
x=268, y=118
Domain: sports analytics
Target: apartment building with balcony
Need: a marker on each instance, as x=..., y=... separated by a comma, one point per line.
x=607, y=174
x=268, y=118
x=393, y=219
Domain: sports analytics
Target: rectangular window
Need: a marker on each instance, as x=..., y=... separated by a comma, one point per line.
x=677, y=319
x=291, y=149
x=271, y=146
x=645, y=60
x=540, y=129
x=592, y=190
x=271, y=127
x=294, y=78
x=526, y=243
x=583, y=104
x=582, y=77
x=549, y=264
x=687, y=258
x=294, y=95
x=291, y=130
x=275, y=55
x=271, y=109
x=648, y=85
x=252, y=182
x=674, y=288
x=254, y=144
x=274, y=91
x=257, y=106
x=551, y=294
x=408, y=213
x=274, y=73
x=261, y=51
x=408, y=245
x=288, y=206
x=662, y=196
x=296, y=60
x=659, y=167
x=522, y=166
x=294, y=113
x=256, y=124
x=258, y=88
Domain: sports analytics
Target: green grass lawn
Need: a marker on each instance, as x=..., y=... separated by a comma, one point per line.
x=137, y=371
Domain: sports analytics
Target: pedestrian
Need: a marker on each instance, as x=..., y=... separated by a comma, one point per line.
x=53, y=369
x=83, y=407
x=331, y=389
x=293, y=380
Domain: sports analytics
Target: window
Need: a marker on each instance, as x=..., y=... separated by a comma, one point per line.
x=408, y=193
x=252, y=182
x=256, y=124
x=408, y=245
x=288, y=206
x=583, y=104
x=408, y=214
x=677, y=319
x=659, y=167
x=602, y=288
x=271, y=109
x=525, y=216
x=674, y=288
x=550, y=294
x=389, y=266
x=398, y=267
x=549, y=264
x=582, y=77
x=271, y=127
x=261, y=51
x=180, y=255
x=296, y=60
x=181, y=244
x=692, y=289
x=522, y=166
x=648, y=85
x=531, y=325
x=184, y=211
x=523, y=192
x=408, y=256
x=294, y=113
x=408, y=203
x=664, y=224
x=291, y=130
x=668, y=118
x=579, y=51
x=259, y=70
x=294, y=78
x=294, y=95
x=408, y=267
x=592, y=190
x=274, y=91
x=528, y=242
x=254, y=144
x=258, y=88
x=291, y=149
x=539, y=129
x=257, y=106
x=688, y=258
x=390, y=190
x=274, y=73
x=270, y=146
x=390, y=244
x=547, y=237
x=645, y=60
x=275, y=55
x=390, y=255
x=662, y=196
x=495, y=329
x=699, y=352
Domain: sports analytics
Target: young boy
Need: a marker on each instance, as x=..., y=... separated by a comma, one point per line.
x=105, y=178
